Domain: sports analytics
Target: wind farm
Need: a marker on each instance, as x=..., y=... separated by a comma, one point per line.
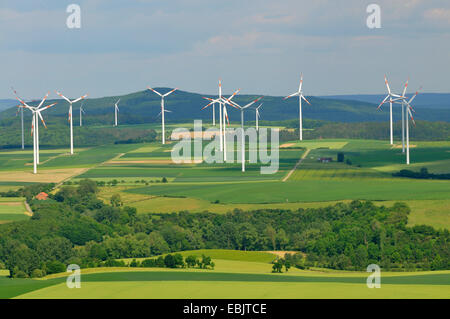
x=194, y=170
x=143, y=175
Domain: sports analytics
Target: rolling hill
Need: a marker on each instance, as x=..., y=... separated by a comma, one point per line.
x=144, y=106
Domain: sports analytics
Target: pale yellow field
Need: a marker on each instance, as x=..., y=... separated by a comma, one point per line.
x=42, y=176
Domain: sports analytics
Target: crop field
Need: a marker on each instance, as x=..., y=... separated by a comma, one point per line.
x=222, y=187
x=198, y=187
x=56, y=164
x=12, y=209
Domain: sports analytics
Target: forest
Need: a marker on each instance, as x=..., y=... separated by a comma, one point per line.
x=74, y=226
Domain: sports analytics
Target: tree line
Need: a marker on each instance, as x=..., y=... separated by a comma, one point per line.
x=422, y=174
x=74, y=226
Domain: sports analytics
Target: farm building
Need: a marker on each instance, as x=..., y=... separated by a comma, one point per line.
x=324, y=159
x=42, y=196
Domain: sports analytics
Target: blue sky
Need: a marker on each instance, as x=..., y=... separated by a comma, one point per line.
x=260, y=46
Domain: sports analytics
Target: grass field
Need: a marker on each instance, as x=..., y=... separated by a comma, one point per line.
x=237, y=274
x=231, y=279
x=235, y=290
x=12, y=209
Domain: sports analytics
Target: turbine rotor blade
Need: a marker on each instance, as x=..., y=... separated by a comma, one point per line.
x=63, y=97
x=292, y=95
x=404, y=89
x=80, y=98
x=414, y=96
x=42, y=119
x=207, y=105
x=387, y=84
x=154, y=91
x=301, y=83
x=168, y=93
x=251, y=103
x=384, y=101
x=305, y=99
x=47, y=107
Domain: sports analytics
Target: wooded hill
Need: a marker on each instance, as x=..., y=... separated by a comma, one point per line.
x=144, y=107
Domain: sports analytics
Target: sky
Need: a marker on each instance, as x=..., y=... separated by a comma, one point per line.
x=260, y=46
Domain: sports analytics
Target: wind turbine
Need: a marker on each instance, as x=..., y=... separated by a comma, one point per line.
x=242, y=108
x=299, y=93
x=257, y=116
x=71, y=117
x=21, y=118
x=116, y=110
x=36, y=111
x=163, y=110
x=222, y=102
x=392, y=98
x=81, y=114
x=406, y=115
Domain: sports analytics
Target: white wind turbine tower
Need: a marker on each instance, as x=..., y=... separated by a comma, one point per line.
x=213, y=102
x=116, y=111
x=36, y=111
x=81, y=114
x=257, y=116
x=408, y=114
x=225, y=117
x=242, y=108
x=71, y=117
x=163, y=110
x=300, y=95
x=394, y=97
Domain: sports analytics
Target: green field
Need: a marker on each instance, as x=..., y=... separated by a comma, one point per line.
x=236, y=279
x=12, y=209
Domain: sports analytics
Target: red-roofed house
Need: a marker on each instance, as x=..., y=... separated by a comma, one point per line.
x=42, y=196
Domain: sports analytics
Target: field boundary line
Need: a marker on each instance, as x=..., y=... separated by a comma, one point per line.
x=296, y=165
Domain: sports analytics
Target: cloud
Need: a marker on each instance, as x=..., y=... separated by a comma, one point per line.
x=440, y=16
x=189, y=43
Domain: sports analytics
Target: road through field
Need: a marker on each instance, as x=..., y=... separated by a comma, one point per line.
x=296, y=165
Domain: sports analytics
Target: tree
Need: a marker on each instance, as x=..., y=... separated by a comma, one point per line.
x=160, y=262
x=340, y=157
x=287, y=265
x=179, y=260
x=277, y=266
x=282, y=238
x=205, y=262
x=87, y=187
x=116, y=200
x=191, y=261
x=169, y=261
x=37, y=273
x=54, y=267
x=272, y=235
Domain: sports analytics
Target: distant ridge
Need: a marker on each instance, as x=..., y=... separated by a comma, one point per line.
x=144, y=106
x=428, y=100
